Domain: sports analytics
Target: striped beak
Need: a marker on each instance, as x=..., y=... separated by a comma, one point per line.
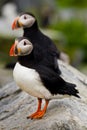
x=16, y=24
x=14, y=51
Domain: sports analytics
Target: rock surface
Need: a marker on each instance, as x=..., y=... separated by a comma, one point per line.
x=62, y=114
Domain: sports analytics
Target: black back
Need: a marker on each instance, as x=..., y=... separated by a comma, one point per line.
x=45, y=50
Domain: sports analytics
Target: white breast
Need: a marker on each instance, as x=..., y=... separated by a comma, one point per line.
x=29, y=80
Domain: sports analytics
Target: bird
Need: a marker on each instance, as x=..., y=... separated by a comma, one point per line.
x=37, y=79
x=42, y=43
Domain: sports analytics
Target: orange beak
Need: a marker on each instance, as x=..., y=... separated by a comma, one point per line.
x=15, y=23
x=12, y=53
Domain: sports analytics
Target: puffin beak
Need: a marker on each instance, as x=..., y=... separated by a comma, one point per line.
x=16, y=23
x=12, y=50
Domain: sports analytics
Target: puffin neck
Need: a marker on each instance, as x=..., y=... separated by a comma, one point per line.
x=27, y=61
x=23, y=59
x=31, y=30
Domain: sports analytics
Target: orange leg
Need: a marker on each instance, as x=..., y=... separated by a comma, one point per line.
x=38, y=109
x=41, y=113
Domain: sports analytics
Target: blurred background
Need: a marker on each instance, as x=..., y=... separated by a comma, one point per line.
x=65, y=21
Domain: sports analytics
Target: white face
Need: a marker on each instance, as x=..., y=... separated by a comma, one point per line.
x=27, y=20
x=24, y=46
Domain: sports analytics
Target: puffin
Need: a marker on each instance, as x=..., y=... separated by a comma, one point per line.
x=36, y=79
x=42, y=43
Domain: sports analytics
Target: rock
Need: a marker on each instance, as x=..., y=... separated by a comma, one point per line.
x=62, y=114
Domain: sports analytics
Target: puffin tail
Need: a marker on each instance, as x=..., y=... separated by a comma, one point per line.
x=71, y=90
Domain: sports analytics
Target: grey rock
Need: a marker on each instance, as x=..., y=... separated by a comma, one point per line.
x=62, y=114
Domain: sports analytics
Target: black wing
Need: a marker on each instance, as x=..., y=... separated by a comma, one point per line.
x=46, y=51
x=54, y=83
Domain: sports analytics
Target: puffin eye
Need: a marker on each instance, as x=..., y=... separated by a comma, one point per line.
x=25, y=43
x=25, y=17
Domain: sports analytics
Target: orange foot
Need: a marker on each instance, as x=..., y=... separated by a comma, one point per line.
x=32, y=115
x=39, y=113
x=38, y=109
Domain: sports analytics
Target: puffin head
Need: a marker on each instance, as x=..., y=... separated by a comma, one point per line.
x=24, y=20
x=21, y=47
